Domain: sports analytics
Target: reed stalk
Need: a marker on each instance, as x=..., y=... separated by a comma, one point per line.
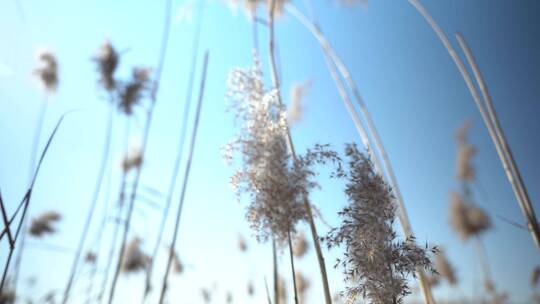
x=292, y=267
x=276, y=85
x=185, y=180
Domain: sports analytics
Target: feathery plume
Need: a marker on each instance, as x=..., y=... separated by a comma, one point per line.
x=375, y=264
x=444, y=268
x=276, y=185
x=206, y=295
x=133, y=158
x=535, y=276
x=90, y=257
x=297, y=95
x=300, y=246
x=107, y=61
x=47, y=71
x=464, y=169
x=134, y=90
x=43, y=224
x=250, y=289
x=242, y=245
x=302, y=285
x=250, y=6
x=134, y=259
x=467, y=219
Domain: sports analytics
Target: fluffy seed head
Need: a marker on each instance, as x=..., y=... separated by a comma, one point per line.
x=467, y=219
x=300, y=245
x=297, y=95
x=133, y=159
x=276, y=186
x=135, y=89
x=107, y=61
x=464, y=168
x=134, y=259
x=375, y=264
x=444, y=268
x=43, y=224
x=47, y=71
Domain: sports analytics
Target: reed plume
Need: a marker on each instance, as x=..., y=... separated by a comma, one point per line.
x=44, y=223
x=375, y=264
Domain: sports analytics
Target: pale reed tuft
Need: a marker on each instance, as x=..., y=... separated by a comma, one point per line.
x=298, y=94
x=43, y=224
x=135, y=89
x=47, y=71
x=300, y=245
x=107, y=61
x=133, y=258
x=375, y=265
x=467, y=219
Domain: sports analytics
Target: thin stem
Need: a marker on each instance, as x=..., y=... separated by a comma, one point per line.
x=276, y=85
x=276, y=275
x=292, y=267
x=97, y=190
x=185, y=181
x=514, y=176
x=116, y=230
x=181, y=142
x=6, y=224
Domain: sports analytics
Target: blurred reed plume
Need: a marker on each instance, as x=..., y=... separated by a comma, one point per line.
x=444, y=268
x=47, y=71
x=535, y=276
x=242, y=245
x=375, y=263
x=135, y=89
x=90, y=257
x=298, y=94
x=107, y=61
x=43, y=224
x=134, y=259
x=467, y=219
x=300, y=245
x=133, y=159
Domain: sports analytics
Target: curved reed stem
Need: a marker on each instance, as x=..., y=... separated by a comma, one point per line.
x=490, y=120
x=185, y=181
x=512, y=172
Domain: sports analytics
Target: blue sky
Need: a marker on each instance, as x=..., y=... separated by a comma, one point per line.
x=411, y=86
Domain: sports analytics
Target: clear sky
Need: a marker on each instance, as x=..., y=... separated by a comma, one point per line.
x=412, y=87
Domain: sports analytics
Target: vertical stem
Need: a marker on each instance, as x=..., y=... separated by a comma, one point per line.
x=186, y=178
x=116, y=230
x=97, y=190
x=276, y=85
x=292, y=267
x=276, y=275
